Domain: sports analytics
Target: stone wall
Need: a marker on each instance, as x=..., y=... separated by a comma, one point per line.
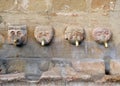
x=60, y=60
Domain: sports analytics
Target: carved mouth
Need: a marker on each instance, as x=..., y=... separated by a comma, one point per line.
x=18, y=42
x=0, y=70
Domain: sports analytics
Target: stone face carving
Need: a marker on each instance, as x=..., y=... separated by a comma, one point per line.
x=44, y=34
x=74, y=34
x=17, y=34
x=102, y=35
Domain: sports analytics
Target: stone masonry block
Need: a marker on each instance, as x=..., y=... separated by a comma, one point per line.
x=6, y=4
x=89, y=66
x=16, y=66
x=78, y=70
x=115, y=66
x=38, y=5
x=104, y=4
x=69, y=5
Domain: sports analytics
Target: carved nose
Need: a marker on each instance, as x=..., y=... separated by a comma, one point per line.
x=44, y=34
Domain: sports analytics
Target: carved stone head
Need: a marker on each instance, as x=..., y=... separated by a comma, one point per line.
x=17, y=34
x=43, y=34
x=102, y=35
x=74, y=34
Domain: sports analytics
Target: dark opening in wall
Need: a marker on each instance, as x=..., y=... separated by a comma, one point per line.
x=107, y=65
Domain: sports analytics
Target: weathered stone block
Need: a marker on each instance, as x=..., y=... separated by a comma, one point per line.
x=115, y=66
x=54, y=73
x=103, y=4
x=90, y=66
x=37, y=6
x=3, y=66
x=69, y=5
x=85, y=70
x=16, y=66
x=6, y=4
x=35, y=66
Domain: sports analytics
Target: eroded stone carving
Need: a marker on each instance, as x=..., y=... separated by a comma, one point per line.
x=74, y=34
x=102, y=35
x=44, y=34
x=17, y=34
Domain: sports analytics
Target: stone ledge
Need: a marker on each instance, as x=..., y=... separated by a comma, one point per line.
x=70, y=71
x=89, y=66
x=11, y=77
x=61, y=69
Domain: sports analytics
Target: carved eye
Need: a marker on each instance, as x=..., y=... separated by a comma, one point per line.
x=19, y=33
x=47, y=33
x=12, y=33
x=106, y=32
x=40, y=34
x=98, y=33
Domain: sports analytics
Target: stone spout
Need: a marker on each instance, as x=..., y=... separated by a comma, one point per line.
x=105, y=44
x=76, y=43
x=43, y=43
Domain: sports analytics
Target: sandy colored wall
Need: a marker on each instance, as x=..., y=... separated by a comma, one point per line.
x=89, y=14
x=59, y=14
